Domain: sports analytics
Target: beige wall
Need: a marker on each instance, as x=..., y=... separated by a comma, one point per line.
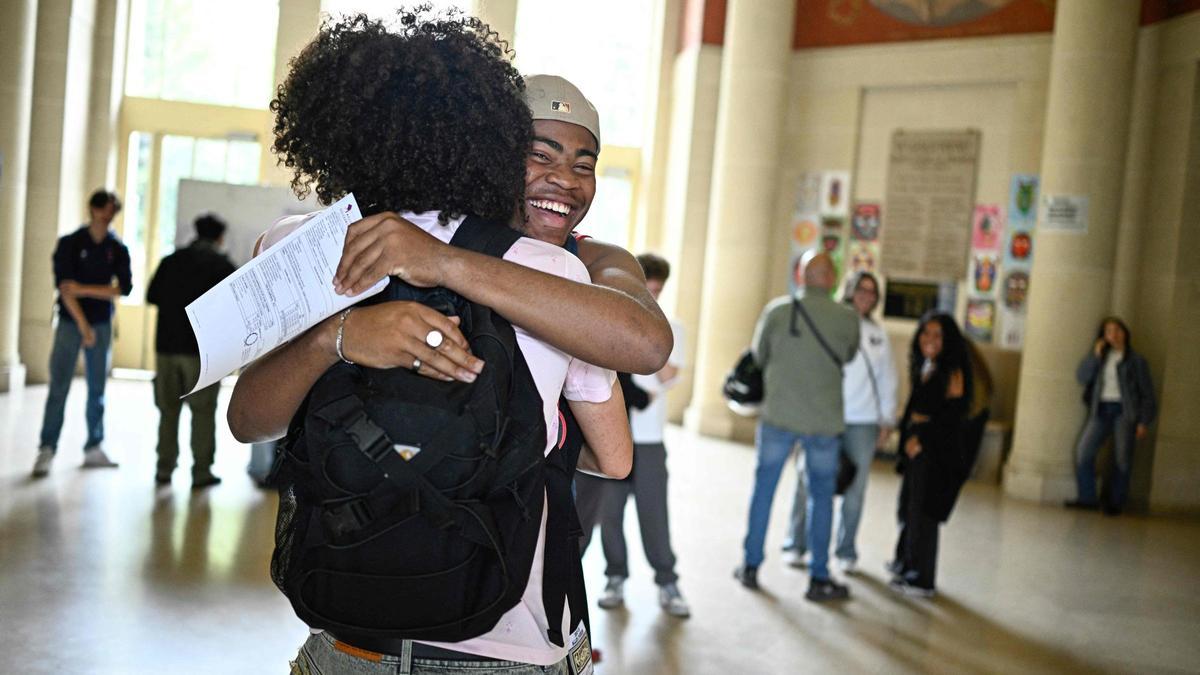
x=1168, y=309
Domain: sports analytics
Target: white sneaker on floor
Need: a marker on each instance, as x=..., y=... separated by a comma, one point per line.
x=847, y=566
x=614, y=593
x=94, y=458
x=41, y=466
x=670, y=599
x=796, y=559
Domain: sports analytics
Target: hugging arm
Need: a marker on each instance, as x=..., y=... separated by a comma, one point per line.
x=612, y=323
x=608, y=447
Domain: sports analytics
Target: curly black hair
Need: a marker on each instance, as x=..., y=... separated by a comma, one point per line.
x=426, y=115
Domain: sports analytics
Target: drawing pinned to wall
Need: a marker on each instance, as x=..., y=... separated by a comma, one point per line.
x=983, y=273
x=861, y=256
x=1020, y=249
x=805, y=232
x=981, y=319
x=835, y=193
x=987, y=230
x=864, y=224
x=1023, y=193
x=1012, y=336
x=808, y=193
x=1016, y=290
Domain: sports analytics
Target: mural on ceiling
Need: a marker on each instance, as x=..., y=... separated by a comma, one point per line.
x=830, y=23
x=938, y=12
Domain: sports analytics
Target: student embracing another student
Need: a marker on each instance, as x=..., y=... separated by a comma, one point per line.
x=426, y=522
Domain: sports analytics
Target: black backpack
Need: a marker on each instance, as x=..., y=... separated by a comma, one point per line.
x=410, y=508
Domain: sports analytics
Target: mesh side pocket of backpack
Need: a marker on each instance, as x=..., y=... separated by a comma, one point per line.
x=290, y=523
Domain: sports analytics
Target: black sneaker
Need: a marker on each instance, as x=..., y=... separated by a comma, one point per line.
x=820, y=590
x=748, y=576
x=206, y=482
x=1110, y=510
x=161, y=479
x=1082, y=506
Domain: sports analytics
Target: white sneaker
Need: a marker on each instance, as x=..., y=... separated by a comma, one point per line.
x=94, y=458
x=614, y=593
x=670, y=599
x=41, y=466
x=847, y=566
x=796, y=559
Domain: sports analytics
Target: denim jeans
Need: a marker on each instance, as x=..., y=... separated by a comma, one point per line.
x=320, y=656
x=1108, y=421
x=63, y=356
x=821, y=463
x=858, y=442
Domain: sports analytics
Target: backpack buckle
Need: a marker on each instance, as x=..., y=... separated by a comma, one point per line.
x=348, y=517
x=370, y=439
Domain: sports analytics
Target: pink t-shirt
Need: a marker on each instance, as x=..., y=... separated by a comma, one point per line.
x=520, y=635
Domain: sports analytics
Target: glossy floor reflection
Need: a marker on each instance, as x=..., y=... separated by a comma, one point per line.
x=100, y=572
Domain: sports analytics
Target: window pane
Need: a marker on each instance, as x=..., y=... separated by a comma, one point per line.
x=608, y=60
x=211, y=159
x=136, y=214
x=207, y=51
x=242, y=162
x=608, y=219
x=178, y=156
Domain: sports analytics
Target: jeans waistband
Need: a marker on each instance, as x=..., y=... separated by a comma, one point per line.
x=395, y=647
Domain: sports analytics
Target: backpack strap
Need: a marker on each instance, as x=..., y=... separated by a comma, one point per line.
x=563, y=579
x=484, y=236
x=797, y=307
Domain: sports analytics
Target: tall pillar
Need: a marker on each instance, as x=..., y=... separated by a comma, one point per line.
x=1083, y=153
x=57, y=195
x=750, y=116
x=687, y=177
x=297, y=25
x=18, y=27
x=501, y=15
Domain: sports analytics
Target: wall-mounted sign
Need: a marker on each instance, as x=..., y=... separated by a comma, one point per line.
x=1064, y=212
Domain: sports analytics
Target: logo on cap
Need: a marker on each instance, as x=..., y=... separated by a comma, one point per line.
x=560, y=106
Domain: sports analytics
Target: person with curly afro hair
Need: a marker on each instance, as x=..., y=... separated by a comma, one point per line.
x=427, y=115
x=428, y=120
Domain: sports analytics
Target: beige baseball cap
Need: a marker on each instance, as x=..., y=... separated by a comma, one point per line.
x=551, y=97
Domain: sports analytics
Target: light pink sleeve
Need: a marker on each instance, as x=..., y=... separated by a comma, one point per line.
x=278, y=230
x=585, y=382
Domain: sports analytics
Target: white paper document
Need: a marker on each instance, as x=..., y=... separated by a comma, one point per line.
x=273, y=298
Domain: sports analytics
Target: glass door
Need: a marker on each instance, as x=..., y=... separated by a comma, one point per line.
x=155, y=163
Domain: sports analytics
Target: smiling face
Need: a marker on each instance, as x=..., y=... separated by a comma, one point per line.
x=866, y=296
x=931, y=340
x=560, y=180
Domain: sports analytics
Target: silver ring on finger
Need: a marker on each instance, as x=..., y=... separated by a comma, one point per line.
x=434, y=338
x=416, y=365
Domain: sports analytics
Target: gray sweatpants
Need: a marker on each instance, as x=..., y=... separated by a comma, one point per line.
x=602, y=501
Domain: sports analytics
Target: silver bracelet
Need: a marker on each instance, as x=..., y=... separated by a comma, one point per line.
x=341, y=327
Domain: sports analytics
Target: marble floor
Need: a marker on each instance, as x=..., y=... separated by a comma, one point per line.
x=100, y=572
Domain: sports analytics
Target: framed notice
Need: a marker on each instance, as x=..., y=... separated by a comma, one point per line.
x=929, y=204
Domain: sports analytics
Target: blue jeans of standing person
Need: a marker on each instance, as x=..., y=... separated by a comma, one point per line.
x=1108, y=421
x=858, y=442
x=821, y=462
x=63, y=356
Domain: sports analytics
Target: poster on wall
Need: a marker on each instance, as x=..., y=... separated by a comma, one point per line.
x=864, y=224
x=808, y=194
x=987, y=227
x=1017, y=259
x=1022, y=201
x=1066, y=213
x=835, y=193
x=930, y=198
x=984, y=269
x=981, y=319
x=1012, y=333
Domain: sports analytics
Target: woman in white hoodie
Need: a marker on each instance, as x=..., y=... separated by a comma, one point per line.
x=869, y=392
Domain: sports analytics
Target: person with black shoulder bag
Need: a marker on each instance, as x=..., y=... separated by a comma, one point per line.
x=800, y=343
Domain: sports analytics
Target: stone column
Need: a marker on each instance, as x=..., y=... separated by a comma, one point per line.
x=687, y=179
x=58, y=157
x=501, y=15
x=298, y=23
x=18, y=27
x=750, y=116
x=1083, y=154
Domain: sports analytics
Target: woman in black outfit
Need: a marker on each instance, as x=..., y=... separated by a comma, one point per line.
x=932, y=457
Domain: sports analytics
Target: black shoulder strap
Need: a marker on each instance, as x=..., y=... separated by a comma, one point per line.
x=485, y=236
x=798, y=307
